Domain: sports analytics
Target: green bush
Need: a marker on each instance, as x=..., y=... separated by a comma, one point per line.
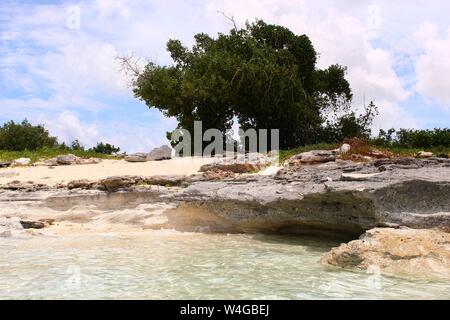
x=24, y=136
x=412, y=138
x=105, y=148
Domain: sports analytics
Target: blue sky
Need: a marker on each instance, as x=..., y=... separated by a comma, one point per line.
x=58, y=66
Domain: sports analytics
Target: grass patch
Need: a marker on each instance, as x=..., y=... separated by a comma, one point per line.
x=44, y=154
x=366, y=149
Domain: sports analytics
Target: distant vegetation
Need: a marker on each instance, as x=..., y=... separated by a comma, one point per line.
x=24, y=136
x=410, y=138
x=25, y=140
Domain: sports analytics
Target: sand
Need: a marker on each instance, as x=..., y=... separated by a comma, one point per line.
x=106, y=168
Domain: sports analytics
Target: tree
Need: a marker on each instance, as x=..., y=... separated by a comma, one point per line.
x=76, y=145
x=263, y=74
x=24, y=136
x=105, y=148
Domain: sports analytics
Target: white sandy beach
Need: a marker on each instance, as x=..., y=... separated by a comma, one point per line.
x=106, y=168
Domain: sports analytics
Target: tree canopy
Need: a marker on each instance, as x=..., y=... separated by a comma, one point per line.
x=263, y=74
x=24, y=136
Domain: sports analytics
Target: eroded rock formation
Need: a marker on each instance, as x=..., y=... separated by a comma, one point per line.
x=422, y=253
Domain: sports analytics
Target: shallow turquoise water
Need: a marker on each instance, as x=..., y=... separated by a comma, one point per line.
x=172, y=265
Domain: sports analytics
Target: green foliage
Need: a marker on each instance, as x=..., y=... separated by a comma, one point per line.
x=47, y=153
x=24, y=136
x=411, y=138
x=350, y=125
x=264, y=74
x=105, y=148
x=76, y=145
x=22, y=140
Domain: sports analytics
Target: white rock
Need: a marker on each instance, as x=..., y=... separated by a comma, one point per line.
x=22, y=161
x=161, y=153
x=345, y=148
x=137, y=157
x=424, y=154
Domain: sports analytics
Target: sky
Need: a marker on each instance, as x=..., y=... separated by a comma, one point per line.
x=58, y=63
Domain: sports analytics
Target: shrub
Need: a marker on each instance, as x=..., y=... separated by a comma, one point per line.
x=24, y=136
x=105, y=148
x=411, y=138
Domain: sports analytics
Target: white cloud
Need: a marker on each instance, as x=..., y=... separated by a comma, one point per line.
x=67, y=126
x=70, y=74
x=433, y=66
x=339, y=37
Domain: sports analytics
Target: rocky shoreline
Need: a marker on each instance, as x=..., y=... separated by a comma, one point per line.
x=315, y=193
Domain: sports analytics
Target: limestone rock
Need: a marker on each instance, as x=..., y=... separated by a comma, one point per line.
x=119, y=182
x=317, y=198
x=396, y=251
x=137, y=157
x=24, y=186
x=424, y=154
x=345, y=148
x=22, y=162
x=358, y=176
x=5, y=164
x=232, y=167
x=69, y=159
x=159, y=154
x=313, y=157
x=218, y=175
x=28, y=224
x=165, y=180
x=238, y=163
x=80, y=184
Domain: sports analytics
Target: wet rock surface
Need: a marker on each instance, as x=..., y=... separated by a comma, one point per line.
x=424, y=253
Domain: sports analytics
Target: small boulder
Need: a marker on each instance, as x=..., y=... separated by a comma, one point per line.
x=313, y=157
x=22, y=162
x=137, y=157
x=80, y=184
x=165, y=180
x=5, y=164
x=420, y=252
x=33, y=224
x=119, y=182
x=345, y=148
x=424, y=154
x=65, y=160
x=159, y=154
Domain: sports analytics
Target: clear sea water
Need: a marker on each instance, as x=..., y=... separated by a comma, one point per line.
x=173, y=265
